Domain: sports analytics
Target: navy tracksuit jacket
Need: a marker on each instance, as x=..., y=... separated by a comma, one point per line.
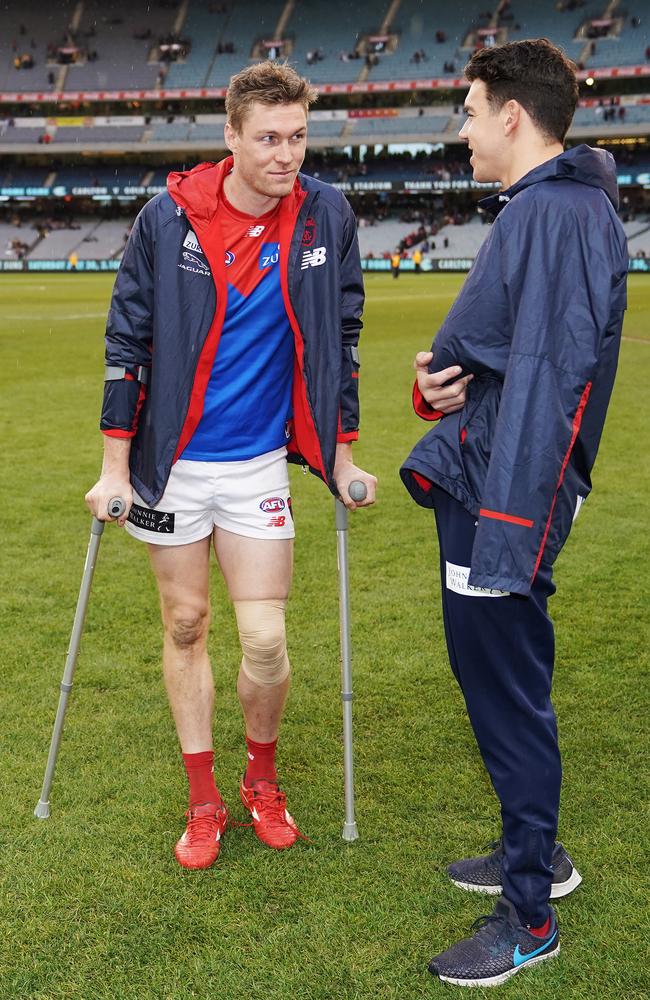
x=538, y=322
x=166, y=316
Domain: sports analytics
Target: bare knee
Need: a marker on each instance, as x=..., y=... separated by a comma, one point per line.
x=187, y=627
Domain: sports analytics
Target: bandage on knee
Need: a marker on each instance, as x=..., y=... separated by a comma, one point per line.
x=263, y=641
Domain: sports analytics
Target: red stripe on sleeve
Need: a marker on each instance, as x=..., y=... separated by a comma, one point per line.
x=497, y=515
x=577, y=420
x=116, y=433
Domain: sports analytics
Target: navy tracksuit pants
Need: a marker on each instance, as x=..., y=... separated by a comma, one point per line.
x=501, y=651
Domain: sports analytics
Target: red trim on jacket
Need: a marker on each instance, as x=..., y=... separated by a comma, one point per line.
x=116, y=433
x=497, y=515
x=198, y=193
x=577, y=420
x=421, y=406
x=305, y=440
x=344, y=438
x=423, y=483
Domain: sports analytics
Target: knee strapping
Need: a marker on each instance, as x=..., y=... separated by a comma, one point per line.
x=263, y=641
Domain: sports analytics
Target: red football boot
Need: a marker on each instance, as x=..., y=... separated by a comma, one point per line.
x=273, y=824
x=199, y=846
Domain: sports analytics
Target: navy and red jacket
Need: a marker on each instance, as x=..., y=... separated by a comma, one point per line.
x=538, y=322
x=167, y=312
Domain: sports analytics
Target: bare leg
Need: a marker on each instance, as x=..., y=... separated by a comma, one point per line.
x=257, y=570
x=182, y=573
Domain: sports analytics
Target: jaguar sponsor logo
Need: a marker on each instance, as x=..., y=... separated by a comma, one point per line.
x=192, y=259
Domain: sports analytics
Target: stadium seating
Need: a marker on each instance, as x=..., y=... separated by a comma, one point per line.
x=60, y=243
x=417, y=24
x=105, y=241
x=99, y=133
x=626, y=49
x=42, y=24
x=333, y=28
x=122, y=59
x=537, y=20
x=246, y=23
x=392, y=129
x=21, y=136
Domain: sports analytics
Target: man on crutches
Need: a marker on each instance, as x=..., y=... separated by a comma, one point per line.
x=231, y=347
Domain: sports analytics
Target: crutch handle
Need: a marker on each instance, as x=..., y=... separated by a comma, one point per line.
x=116, y=507
x=357, y=490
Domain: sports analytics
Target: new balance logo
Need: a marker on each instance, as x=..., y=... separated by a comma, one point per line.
x=191, y=242
x=277, y=522
x=256, y=230
x=313, y=258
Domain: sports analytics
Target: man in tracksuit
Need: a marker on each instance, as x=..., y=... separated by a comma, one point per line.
x=518, y=381
x=231, y=346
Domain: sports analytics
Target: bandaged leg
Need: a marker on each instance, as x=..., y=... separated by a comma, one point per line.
x=263, y=641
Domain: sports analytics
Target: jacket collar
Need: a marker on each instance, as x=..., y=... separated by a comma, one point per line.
x=582, y=164
x=198, y=191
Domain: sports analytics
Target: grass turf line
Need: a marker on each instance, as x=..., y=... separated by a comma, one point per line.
x=92, y=902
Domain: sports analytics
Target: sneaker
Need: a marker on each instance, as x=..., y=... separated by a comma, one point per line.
x=199, y=846
x=273, y=824
x=499, y=948
x=484, y=874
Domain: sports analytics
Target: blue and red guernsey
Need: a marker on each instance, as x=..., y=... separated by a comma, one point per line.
x=254, y=359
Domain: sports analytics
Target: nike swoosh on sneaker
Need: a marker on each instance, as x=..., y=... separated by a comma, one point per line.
x=519, y=959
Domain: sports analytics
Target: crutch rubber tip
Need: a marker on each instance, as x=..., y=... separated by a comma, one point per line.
x=357, y=490
x=42, y=810
x=350, y=832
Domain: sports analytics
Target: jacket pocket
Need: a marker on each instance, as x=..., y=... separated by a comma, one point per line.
x=476, y=429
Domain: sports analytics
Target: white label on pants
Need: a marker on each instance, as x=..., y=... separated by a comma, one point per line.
x=457, y=577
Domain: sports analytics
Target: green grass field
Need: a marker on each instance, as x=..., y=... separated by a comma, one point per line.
x=92, y=903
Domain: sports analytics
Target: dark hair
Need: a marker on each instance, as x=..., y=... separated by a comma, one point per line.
x=269, y=83
x=535, y=73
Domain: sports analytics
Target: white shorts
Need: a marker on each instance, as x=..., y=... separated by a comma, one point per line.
x=248, y=498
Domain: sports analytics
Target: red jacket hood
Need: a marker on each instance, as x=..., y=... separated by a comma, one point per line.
x=198, y=190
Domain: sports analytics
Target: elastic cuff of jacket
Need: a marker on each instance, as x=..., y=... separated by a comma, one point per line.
x=342, y=438
x=422, y=408
x=117, y=433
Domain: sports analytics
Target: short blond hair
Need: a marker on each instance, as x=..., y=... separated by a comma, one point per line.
x=266, y=83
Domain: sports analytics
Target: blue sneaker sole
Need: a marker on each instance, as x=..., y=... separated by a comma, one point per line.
x=498, y=980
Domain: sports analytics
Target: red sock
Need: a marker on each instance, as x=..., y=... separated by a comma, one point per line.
x=543, y=930
x=200, y=774
x=261, y=761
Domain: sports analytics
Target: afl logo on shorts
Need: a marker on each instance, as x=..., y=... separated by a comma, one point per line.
x=230, y=258
x=272, y=505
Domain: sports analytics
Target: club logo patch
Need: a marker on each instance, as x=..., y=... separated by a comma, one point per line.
x=152, y=520
x=269, y=255
x=309, y=233
x=230, y=258
x=271, y=505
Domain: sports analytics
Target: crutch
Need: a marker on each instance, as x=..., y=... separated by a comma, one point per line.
x=116, y=507
x=357, y=491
